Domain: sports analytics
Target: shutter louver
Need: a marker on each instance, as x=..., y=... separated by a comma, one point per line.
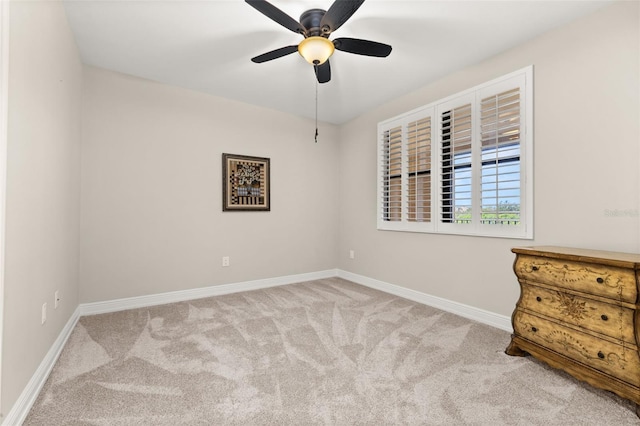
x=392, y=175
x=455, y=161
x=500, y=135
x=419, y=170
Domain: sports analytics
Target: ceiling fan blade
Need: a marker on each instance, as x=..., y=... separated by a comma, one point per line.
x=275, y=54
x=323, y=72
x=275, y=14
x=362, y=47
x=338, y=13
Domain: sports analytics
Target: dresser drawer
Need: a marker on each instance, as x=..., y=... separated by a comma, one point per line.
x=611, y=320
x=615, y=360
x=606, y=281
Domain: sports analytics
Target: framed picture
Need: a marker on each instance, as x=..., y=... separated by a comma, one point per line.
x=245, y=183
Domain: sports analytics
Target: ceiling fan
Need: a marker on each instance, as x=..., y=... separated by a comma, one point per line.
x=315, y=26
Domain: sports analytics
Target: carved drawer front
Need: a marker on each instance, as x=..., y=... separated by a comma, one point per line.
x=607, y=281
x=612, y=320
x=615, y=360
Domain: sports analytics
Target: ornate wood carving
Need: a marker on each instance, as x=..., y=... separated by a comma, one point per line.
x=578, y=311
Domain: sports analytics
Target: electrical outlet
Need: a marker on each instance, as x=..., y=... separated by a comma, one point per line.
x=44, y=312
x=352, y=254
x=225, y=260
x=56, y=298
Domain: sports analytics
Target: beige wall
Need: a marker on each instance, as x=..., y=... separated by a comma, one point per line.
x=152, y=217
x=587, y=136
x=42, y=204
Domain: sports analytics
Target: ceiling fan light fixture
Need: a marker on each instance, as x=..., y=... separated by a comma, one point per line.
x=316, y=50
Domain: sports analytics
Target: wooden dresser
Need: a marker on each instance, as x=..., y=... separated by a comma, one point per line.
x=578, y=311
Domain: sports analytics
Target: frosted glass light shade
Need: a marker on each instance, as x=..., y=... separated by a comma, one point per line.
x=316, y=50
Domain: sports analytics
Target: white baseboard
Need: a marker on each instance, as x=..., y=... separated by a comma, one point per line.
x=24, y=403
x=198, y=293
x=498, y=321
x=470, y=312
x=21, y=408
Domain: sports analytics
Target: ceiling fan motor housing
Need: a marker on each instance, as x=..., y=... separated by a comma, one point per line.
x=311, y=21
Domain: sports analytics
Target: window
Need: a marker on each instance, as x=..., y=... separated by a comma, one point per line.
x=461, y=165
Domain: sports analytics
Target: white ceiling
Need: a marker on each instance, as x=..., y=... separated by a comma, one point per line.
x=207, y=46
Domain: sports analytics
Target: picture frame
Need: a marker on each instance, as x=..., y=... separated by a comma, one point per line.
x=245, y=183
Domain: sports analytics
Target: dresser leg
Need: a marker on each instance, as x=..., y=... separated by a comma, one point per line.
x=638, y=410
x=514, y=350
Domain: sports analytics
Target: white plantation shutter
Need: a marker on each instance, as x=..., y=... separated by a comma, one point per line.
x=456, y=194
x=392, y=174
x=461, y=165
x=405, y=176
x=419, y=170
x=501, y=180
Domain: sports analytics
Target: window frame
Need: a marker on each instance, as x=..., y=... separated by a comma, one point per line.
x=521, y=79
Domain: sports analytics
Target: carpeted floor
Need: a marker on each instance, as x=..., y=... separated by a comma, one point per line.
x=321, y=352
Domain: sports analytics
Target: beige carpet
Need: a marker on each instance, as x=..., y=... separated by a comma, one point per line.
x=321, y=352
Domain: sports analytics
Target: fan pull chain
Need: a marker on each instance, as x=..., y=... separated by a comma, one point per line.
x=316, y=69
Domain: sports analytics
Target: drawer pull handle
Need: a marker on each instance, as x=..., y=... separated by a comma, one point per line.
x=600, y=355
x=539, y=299
x=604, y=317
x=534, y=329
x=600, y=280
x=534, y=268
